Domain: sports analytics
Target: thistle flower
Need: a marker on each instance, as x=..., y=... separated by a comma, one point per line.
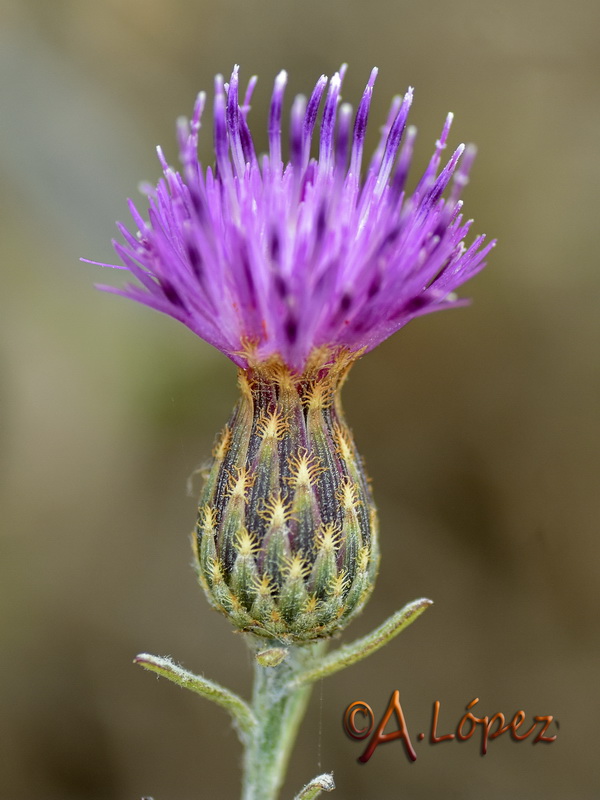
x=293, y=270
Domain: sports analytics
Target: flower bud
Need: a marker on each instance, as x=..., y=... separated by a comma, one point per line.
x=286, y=539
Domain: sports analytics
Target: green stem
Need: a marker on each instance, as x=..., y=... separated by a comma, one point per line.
x=278, y=710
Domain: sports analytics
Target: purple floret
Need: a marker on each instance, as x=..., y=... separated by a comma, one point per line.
x=282, y=258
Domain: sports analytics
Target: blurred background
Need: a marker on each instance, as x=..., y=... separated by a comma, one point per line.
x=479, y=426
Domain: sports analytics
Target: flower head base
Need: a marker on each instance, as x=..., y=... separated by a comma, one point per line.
x=286, y=540
x=263, y=258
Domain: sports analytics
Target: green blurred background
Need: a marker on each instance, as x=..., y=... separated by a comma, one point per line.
x=479, y=426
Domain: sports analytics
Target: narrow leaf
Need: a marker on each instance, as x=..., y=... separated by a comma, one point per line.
x=322, y=783
x=361, y=648
x=243, y=717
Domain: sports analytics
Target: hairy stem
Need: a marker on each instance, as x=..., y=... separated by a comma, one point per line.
x=278, y=709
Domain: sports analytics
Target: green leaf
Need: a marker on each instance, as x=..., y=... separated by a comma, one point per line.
x=322, y=783
x=361, y=648
x=243, y=717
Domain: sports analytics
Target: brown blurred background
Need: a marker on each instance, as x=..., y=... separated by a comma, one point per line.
x=479, y=426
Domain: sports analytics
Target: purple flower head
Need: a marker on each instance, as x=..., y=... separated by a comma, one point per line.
x=265, y=258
